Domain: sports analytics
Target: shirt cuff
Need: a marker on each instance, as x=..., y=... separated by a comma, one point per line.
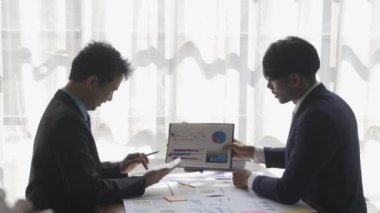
x=258, y=155
x=250, y=181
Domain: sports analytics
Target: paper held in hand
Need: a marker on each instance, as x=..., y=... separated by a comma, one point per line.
x=171, y=165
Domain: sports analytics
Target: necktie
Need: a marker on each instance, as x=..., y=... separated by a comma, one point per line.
x=88, y=121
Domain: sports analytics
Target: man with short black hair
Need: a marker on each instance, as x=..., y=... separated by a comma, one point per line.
x=66, y=173
x=321, y=158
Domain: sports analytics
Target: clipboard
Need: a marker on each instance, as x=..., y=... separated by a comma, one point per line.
x=199, y=145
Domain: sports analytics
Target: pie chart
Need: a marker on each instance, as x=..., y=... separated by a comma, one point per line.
x=219, y=137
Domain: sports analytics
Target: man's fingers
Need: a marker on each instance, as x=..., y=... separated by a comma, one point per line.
x=237, y=154
x=143, y=160
x=228, y=146
x=144, y=163
x=133, y=156
x=146, y=159
x=133, y=161
x=139, y=160
x=238, y=179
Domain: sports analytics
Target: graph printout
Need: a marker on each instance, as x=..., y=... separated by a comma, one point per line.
x=199, y=145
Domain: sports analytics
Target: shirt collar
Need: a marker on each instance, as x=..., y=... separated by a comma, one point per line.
x=300, y=100
x=78, y=102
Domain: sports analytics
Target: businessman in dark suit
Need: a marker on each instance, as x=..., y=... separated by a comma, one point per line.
x=321, y=157
x=66, y=173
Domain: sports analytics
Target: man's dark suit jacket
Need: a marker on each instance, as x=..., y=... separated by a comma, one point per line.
x=66, y=174
x=321, y=158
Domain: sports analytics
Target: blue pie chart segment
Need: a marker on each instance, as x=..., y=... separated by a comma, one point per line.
x=219, y=137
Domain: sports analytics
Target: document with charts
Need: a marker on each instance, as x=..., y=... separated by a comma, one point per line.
x=199, y=145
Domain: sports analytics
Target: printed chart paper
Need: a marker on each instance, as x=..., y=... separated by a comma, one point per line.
x=199, y=145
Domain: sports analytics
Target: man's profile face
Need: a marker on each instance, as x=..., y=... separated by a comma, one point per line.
x=104, y=93
x=281, y=89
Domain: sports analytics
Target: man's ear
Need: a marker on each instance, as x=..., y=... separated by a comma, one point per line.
x=92, y=81
x=295, y=79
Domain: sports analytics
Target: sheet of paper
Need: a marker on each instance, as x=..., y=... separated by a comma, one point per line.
x=245, y=201
x=196, y=205
x=202, y=179
x=171, y=165
x=197, y=191
x=183, y=176
x=158, y=190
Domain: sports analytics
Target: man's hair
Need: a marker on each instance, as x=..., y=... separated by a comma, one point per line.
x=290, y=55
x=100, y=59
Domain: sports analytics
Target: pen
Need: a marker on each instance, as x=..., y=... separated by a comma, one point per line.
x=152, y=153
x=185, y=184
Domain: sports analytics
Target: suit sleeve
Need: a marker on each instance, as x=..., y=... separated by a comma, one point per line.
x=313, y=146
x=274, y=157
x=80, y=168
x=111, y=170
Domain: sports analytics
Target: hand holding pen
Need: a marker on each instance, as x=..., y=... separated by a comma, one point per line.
x=134, y=159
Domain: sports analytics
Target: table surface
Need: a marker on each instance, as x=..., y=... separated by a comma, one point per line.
x=119, y=207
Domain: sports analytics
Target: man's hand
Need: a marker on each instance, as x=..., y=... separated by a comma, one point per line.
x=240, y=177
x=132, y=160
x=154, y=176
x=239, y=149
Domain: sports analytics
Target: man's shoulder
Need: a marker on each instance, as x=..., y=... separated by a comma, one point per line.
x=59, y=110
x=328, y=106
x=61, y=103
x=321, y=97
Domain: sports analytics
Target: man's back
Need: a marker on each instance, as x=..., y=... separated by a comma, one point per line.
x=324, y=136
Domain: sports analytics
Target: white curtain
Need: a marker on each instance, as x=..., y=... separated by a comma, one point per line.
x=195, y=61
